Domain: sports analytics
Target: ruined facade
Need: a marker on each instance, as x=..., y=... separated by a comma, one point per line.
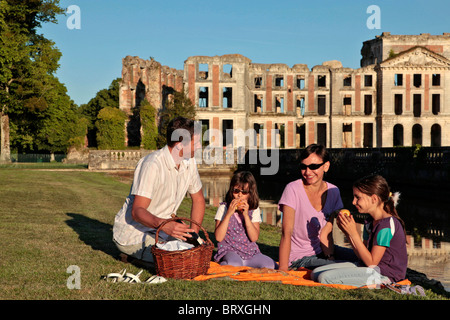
x=400, y=96
x=144, y=79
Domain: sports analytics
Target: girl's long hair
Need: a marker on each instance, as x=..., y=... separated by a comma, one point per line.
x=376, y=184
x=239, y=180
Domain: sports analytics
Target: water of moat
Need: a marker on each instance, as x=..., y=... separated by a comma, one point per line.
x=427, y=219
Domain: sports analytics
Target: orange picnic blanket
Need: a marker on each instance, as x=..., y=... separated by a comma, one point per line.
x=300, y=277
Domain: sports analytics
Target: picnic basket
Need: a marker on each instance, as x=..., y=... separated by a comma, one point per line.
x=183, y=264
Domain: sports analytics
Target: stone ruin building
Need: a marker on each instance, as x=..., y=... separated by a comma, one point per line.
x=400, y=96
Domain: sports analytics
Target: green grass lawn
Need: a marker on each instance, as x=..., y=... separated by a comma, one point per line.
x=50, y=220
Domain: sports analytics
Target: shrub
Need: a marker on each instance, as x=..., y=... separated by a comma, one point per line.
x=148, y=125
x=111, y=129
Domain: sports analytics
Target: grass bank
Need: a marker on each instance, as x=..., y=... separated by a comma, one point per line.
x=51, y=220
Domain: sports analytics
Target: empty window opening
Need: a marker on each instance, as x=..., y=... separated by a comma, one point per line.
x=417, y=80
x=300, y=82
x=205, y=132
x=280, y=138
x=435, y=135
x=227, y=95
x=436, y=80
x=300, y=139
x=398, y=104
x=279, y=104
x=417, y=102
x=416, y=134
x=300, y=106
x=398, y=135
x=279, y=81
x=322, y=81
x=347, y=102
x=140, y=93
x=227, y=133
x=203, y=97
x=258, y=99
x=347, y=135
x=368, y=80
x=322, y=134
x=398, y=79
x=368, y=104
x=228, y=71
x=203, y=71
x=368, y=135
x=436, y=103
x=258, y=141
x=258, y=82
x=321, y=102
x=347, y=81
x=262, y=139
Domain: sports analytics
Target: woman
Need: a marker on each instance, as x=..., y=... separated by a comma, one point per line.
x=308, y=205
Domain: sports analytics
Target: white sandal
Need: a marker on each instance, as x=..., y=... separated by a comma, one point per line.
x=155, y=279
x=131, y=278
x=124, y=276
x=115, y=277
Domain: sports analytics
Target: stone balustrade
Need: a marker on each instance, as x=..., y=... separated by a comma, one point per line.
x=115, y=159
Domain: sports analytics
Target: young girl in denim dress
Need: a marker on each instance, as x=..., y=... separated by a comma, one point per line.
x=237, y=225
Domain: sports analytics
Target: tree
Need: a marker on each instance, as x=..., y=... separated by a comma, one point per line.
x=104, y=98
x=148, y=125
x=27, y=60
x=178, y=105
x=62, y=125
x=110, y=129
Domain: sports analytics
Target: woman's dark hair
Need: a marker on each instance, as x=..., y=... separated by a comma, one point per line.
x=376, y=184
x=318, y=149
x=240, y=179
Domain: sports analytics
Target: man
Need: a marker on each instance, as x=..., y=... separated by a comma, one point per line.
x=160, y=183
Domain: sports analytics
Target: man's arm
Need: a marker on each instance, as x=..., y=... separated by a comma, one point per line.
x=140, y=213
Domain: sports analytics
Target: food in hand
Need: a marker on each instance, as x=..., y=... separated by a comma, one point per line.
x=240, y=205
x=345, y=212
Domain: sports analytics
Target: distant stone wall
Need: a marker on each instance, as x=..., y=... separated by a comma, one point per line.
x=115, y=159
x=212, y=160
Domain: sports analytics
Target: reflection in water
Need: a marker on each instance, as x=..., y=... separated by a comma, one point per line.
x=215, y=188
x=427, y=223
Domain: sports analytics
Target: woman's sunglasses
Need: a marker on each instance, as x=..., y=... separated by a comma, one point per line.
x=313, y=166
x=244, y=192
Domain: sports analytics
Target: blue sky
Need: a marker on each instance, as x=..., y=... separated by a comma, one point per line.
x=282, y=31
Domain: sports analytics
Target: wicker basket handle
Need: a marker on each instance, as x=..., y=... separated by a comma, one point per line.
x=180, y=218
